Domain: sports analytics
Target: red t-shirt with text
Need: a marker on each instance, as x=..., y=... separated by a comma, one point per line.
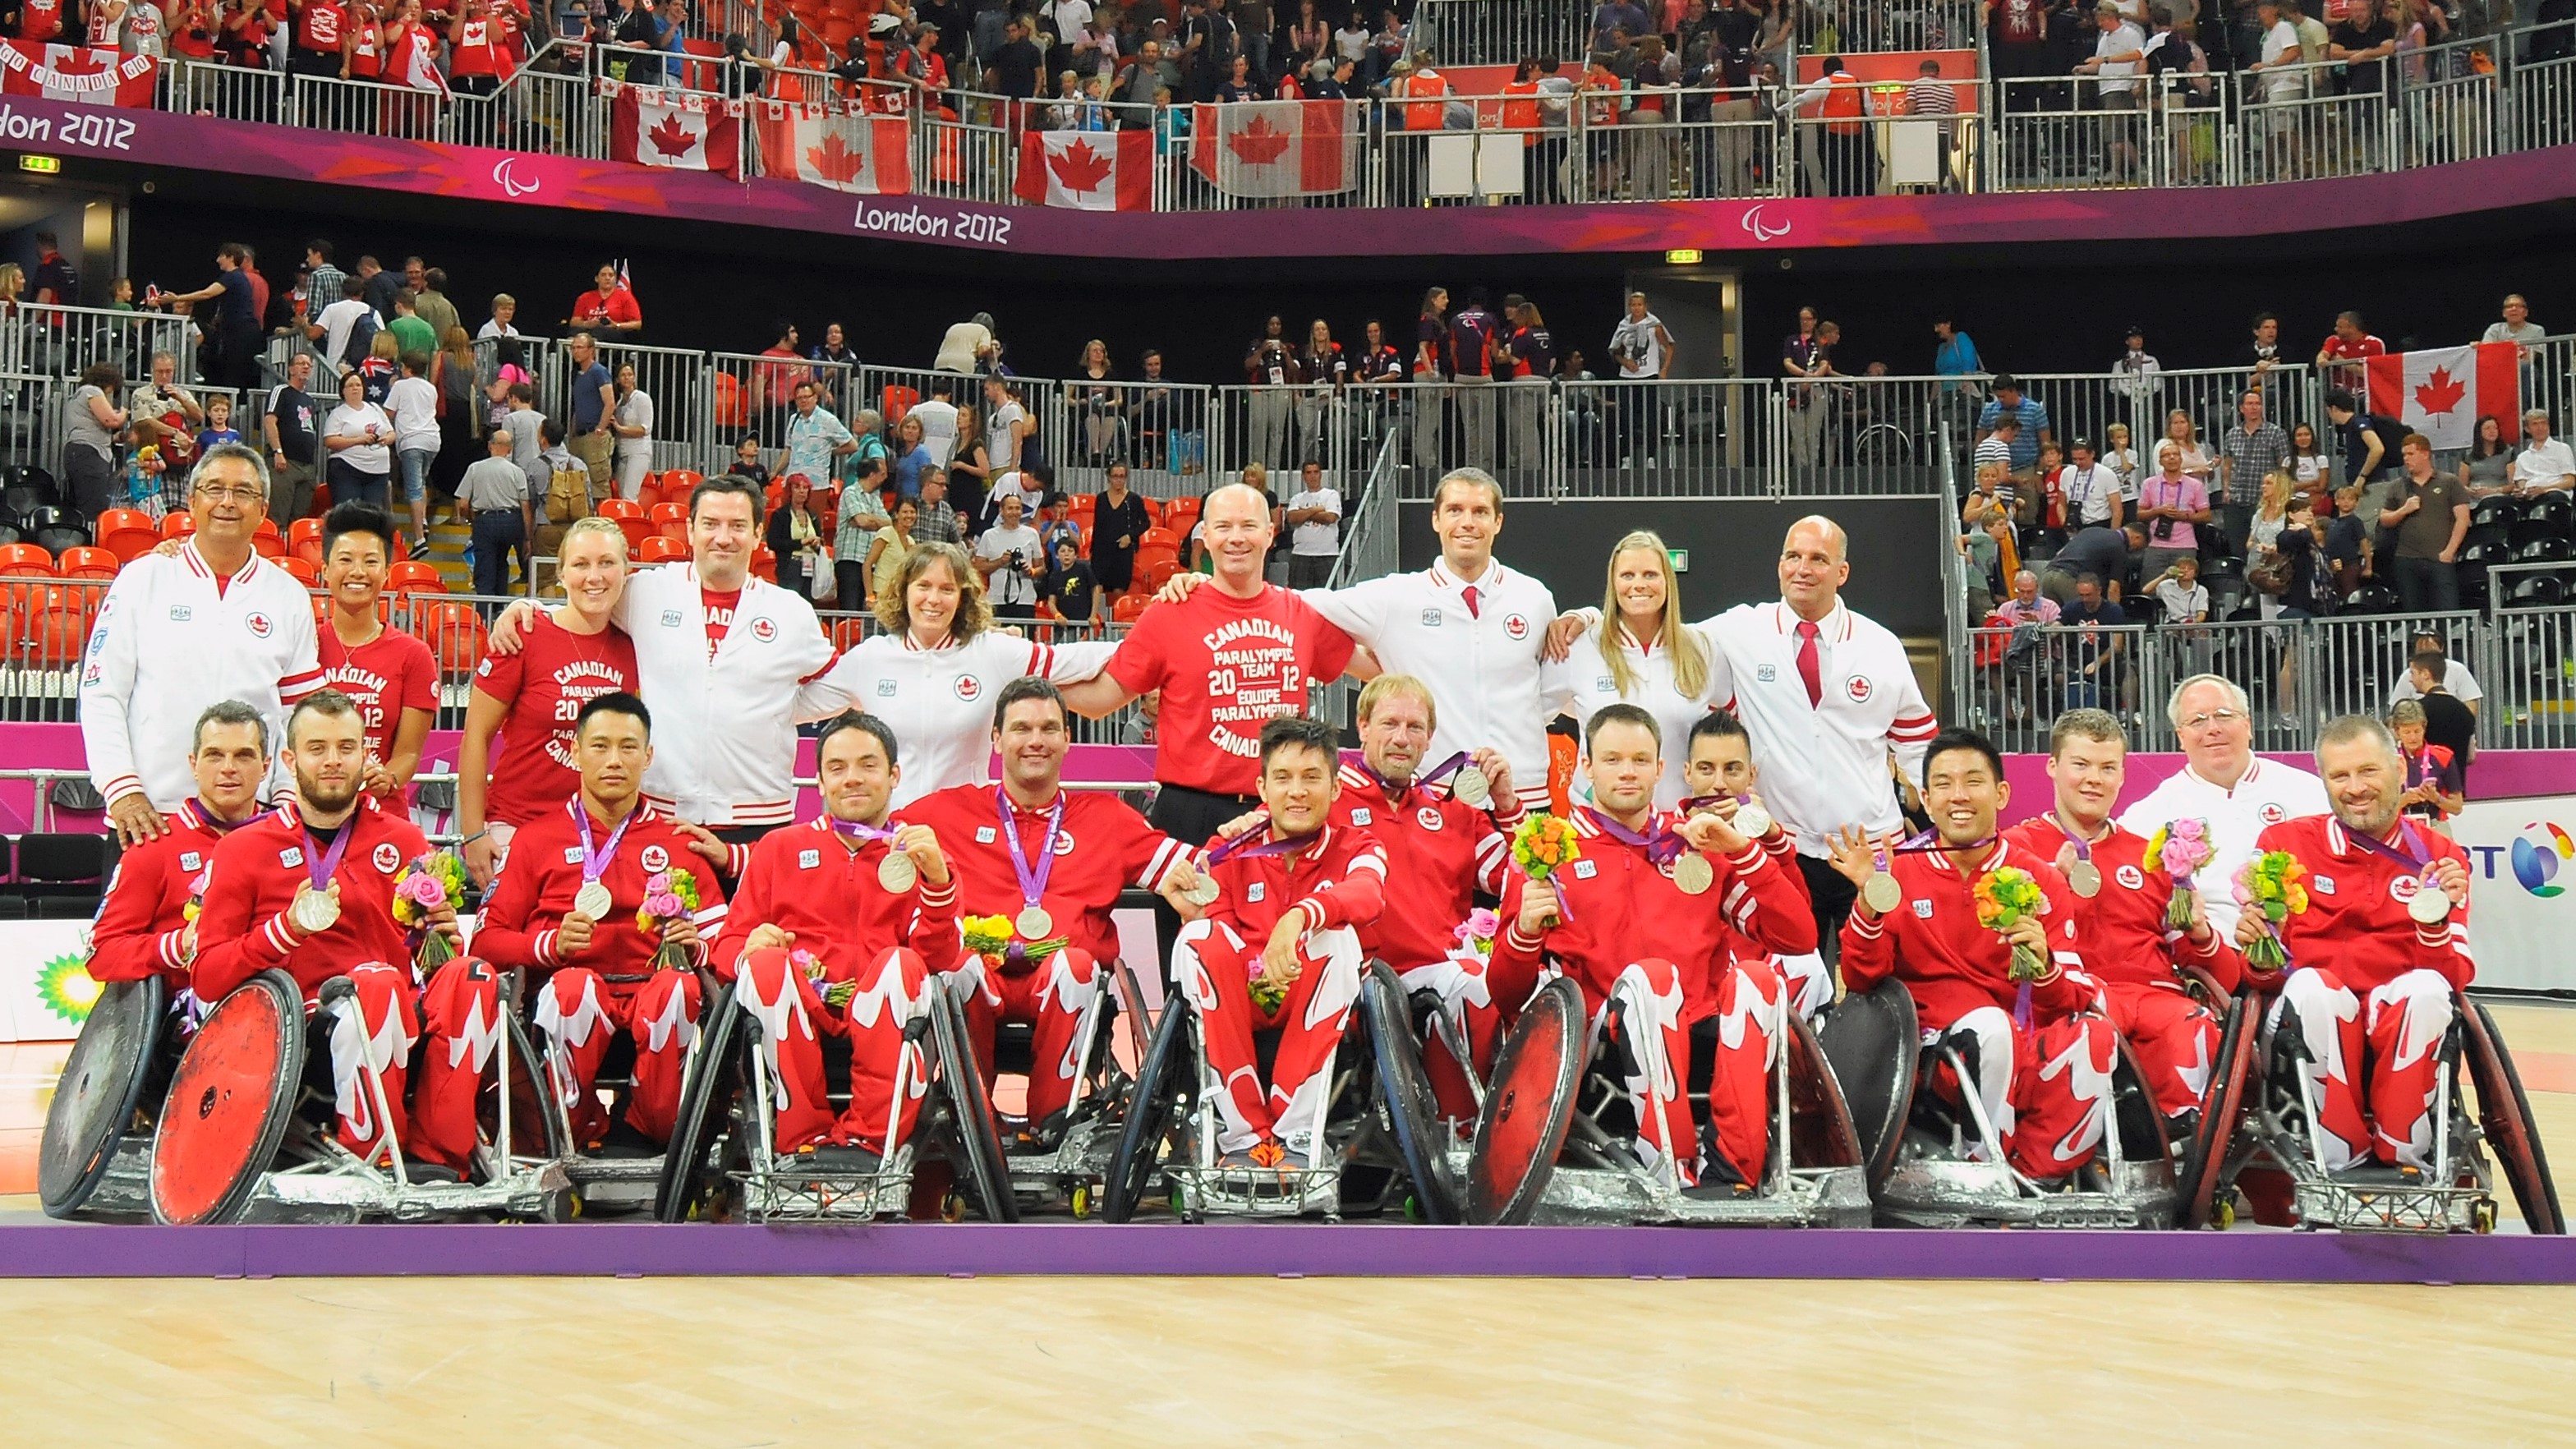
x=1226, y=666
x=544, y=686
x=386, y=675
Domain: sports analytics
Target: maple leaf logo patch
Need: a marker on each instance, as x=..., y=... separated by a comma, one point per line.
x=1079, y=168
x=835, y=160
x=1258, y=144
x=2440, y=393
x=671, y=138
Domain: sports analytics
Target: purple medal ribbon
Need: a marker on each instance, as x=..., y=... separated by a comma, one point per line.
x=2414, y=857
x=1251, y=846
x=323, y=864
x=1032, y=882
x=858, y=830
x=1660, y=847
x=2083, y=847
x=594, y=862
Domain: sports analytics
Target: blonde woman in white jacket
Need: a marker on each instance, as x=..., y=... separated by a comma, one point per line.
x=1640, y=652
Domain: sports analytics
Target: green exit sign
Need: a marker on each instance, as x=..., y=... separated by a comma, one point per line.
x=1680, y=558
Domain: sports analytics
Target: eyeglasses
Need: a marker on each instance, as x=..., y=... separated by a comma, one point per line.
x=2219, y=718
x=245, y=494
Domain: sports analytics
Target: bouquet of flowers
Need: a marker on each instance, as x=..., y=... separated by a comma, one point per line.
x=1544, y=844
x=837, y=994
x=2269, y=884
x=997, y=940
x=1476, y=935
x=428, y=882
x=2180, y=848
x=668, y=896
x=2004, y=898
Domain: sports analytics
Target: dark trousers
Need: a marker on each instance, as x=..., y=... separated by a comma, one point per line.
x=497, y=532
x=851, y=592
x=2427, y=583
x=1831, y=894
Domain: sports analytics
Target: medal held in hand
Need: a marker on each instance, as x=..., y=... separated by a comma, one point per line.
x=594, y=901
x=1881, y=892
x=1693, y=874
x=2084, y=878
x=1202, y=892
x=896, y=873
x=1751, y=820
x=1470, y=788
x=319, y=910
x=316, y=911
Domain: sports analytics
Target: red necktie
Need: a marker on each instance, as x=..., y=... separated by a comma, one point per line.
x=1808, y=667
x=1471, y=601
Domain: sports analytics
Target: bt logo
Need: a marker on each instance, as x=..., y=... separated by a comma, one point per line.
x=2535, y=857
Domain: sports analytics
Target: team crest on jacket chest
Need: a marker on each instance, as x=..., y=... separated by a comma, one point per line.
x=1515, y=627
x=764, y=630
x=969, y=688
x=257, y=623
x=388, y=857
x=1429, y=816
x=2131, y=877
x=2273, y=814
x=654, y=858
x=1858, y=687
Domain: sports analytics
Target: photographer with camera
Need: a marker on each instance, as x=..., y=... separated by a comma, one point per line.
x=2170, y=503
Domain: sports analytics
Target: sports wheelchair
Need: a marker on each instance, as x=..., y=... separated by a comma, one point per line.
x=2258, y=1139
x=97, y=1148
x=1064, y=1165
x=1381, y=1146
x=1916, y=1145
x=723, y=1159
x=246, y=1131
x=1553, y=1138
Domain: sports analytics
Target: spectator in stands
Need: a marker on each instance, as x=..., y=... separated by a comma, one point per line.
x=164, y=416
x=2253, y=450
x=609, y=307
x=288, y=424
x=92, y=423
x=938, y=419
x=909, y=454
x=1013, y=69
x=2544, y=462
x=2091, y=490
x=2347, y=545
x=504, y=309
x=1314, y=520
x=2172, y=504
x=2121, y=459
x=1093, y=403
x=888, y=550
x=2341, y=358
x=2449, y=695
x=344, y=329
x=2363, y=42
x=412, y=403
x=454, y=371
x=2364, y=439
x=2310, y=465
x=967, y=347
x=1007, y=427
x=2431, y=519
x=1118, y=522
x=2119, y=53
x=594, y=408
x=795, y=535
x=969, y=468
x=2184, y=435
x=632, y=424
x=1844, y=148
x=747, y=462
x=1011, y=560
x=2271, y=515
x=1209, y=42
x=2488, y=465
x=1995, y=450
x=379, y=368
x=359, y=437
x=834, y=348
x=492, y=501
x=2101, y=552
x=937, y=521
x=1643, y=347
x=2179, y=595
x=2097, y=653
x=410, y=333
x=430, y=301
x=1070, y=591
x=639, y=35
x=232, y=353
x=380, y=288
x=815, y=438
x=2028, y=412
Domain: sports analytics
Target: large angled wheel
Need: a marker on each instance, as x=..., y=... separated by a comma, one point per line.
x=959, y=1077
x=1166, y=1091
x=230, y=1103
x=1412, y=1113
x=1529, y=1107
x=1820, y=1122
x=102, y=1085
x=2204, y=1163
x=2505, y=1113
x=538, y=1127
x=692, y=1165
x=1874, y=1044
x=1129, y=997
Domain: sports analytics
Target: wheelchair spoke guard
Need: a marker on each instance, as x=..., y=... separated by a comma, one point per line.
x=1873, y=1043
x=102, y=1085
x=229, y=1103
x=2204, y=1165
x=1164, y=1075
x=1529, y=1107
x=1412, y=1115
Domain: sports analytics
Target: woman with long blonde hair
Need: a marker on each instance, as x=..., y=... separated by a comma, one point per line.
x=934, y=669
x=524, y=698
x=1641, y=653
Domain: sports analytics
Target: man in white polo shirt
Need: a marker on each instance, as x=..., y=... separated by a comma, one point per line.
x=2545, y=462
x=2223, y=783
x=719, y=655
x=1469, y=628
x=1314, y=522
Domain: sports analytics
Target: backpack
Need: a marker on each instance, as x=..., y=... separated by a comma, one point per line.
x=362, y=340
x=568, y=495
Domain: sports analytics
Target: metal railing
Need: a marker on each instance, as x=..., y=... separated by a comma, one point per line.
x=1482, y=32
x=1370, y=524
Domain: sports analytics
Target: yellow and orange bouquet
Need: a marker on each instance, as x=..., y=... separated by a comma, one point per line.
x=433, y=878
x=1544, y=844
x=997, y=940
x=2270, y=884
x=2005, y=897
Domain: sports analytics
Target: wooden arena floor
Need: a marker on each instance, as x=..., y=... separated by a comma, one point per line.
x=710, y=1363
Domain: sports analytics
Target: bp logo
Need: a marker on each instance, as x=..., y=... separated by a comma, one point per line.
x=65, y=986
x=2537, y=853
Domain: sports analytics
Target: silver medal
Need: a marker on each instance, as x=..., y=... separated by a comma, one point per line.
x=897, y=873
x=2430, y=905
x=1034, y=924
x=1693, y=873
x=316, y=912
x=594, y=901
x=2085, y=878
x=1752, y=820
x=1882, y=893
x=1202, y=892
x=1469, y=788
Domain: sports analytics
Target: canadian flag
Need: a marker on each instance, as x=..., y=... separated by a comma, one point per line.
x=1277, y=148
x=832, y=145
x=2442, y=392
x=75, y=73
x=674, y=129
x=1088, y=170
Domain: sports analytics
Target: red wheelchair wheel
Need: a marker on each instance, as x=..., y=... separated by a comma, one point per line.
x=2204, y=1165
x=229, y=1103
x=1529, y=1107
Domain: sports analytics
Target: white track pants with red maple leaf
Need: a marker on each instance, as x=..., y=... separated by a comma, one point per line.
x=888, y=1075
x=2373, y=1062
x=1464, y=983
x=575, y=1011
x=1751, y=1006
x=1056, y=998
x=1214, y=968
x=2046, y=1087
x=378, y=1028
x=2175, y=1036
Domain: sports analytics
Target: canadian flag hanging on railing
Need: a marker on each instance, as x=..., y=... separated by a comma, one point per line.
x=2443, y=391
x=833, y=145
x=1088, y=170
x=1277, y=148
x=675, y=129
x=75, y=73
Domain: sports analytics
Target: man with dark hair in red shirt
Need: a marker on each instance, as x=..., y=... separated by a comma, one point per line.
x=2043, y=1051
x=309, y=889
x=1279, y=949
x=1051, y=861
x=143, y=926
x=2378, y=957
x=1688, y=913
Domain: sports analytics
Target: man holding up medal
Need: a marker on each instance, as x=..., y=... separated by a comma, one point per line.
x=571, y=901
x=1052, y=862
x=1719, y=776
x=834, y=927
x=2123, y=913
x=2043, y=1053
x=309, y=889
x=1279, y=948
x=1692, y=910
x=2377, y=957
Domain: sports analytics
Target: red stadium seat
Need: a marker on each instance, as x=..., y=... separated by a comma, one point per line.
x=670, y=520
x=849, y=633
x=1153, y=572
x=89, y=563
x=764, y=564
x=1082, y=506
x=178, y=525
x=415, y=576
x=894, y=402
x=1158, y=540
x=618, y=508
x=303, y=569
x=658, y=549
x=1128, y=607
x=268, y=545
x=453, y=630
x=679, y=483
x=26, y=560
x=127, y=533
x=304, y=540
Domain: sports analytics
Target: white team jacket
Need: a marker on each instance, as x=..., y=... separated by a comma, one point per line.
x=724, y=729
x=939, y=702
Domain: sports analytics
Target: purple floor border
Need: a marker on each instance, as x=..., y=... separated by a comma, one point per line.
x=1269, y=1250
